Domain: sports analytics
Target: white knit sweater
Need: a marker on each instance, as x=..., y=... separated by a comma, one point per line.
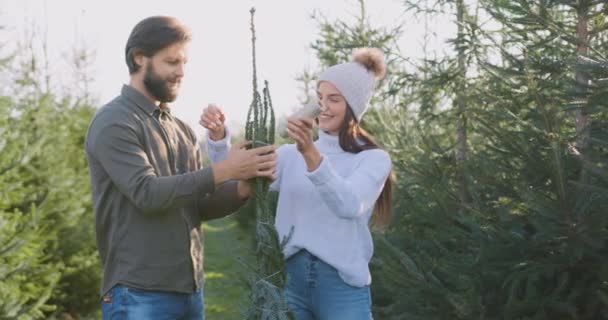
x=330, y=207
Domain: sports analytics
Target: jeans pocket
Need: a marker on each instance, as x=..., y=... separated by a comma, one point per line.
x=113, y=304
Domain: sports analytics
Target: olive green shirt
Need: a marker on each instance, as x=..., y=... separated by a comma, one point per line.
x=150, y=194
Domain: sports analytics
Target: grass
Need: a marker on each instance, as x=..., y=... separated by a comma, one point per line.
x=225, y=276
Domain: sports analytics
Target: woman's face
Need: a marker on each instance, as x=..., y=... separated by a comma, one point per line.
x=333, y=106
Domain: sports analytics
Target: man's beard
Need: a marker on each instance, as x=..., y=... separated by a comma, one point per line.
x=157, y=86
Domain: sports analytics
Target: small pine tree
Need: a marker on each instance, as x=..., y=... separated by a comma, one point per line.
x=47, y=243
x=267, y=296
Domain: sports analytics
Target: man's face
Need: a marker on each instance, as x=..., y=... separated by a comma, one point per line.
x=164, y=71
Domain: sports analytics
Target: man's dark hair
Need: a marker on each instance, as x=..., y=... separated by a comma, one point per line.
x=152, y=35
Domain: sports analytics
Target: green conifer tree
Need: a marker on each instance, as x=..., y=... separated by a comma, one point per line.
x=267, y=295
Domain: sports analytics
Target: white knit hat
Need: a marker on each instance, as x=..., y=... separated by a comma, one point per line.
x=356, y=79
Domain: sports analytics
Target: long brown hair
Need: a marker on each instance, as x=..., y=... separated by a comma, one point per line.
x=354, y=139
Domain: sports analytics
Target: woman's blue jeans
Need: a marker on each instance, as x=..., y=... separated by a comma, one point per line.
x=315, y=291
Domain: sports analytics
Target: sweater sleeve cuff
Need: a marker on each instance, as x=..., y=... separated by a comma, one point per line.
x=219, y=145
x=322, y=174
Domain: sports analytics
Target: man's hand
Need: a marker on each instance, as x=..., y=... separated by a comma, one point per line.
x=213, y=119
x=243, y=189
x=243, y=164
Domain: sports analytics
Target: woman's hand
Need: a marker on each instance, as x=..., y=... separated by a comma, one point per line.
x=301, y=131
x=213, y=119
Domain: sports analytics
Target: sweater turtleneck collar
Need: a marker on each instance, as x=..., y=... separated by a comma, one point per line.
x=328, y=143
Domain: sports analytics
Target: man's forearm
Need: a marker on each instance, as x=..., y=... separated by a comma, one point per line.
x=224, y=201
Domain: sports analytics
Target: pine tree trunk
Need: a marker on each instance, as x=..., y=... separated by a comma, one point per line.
x=461, y=138
x=582, y=80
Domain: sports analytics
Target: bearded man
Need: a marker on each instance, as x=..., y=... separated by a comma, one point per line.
x=150, y=192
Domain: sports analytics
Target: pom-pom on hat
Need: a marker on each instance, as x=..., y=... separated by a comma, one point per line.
x=356, y=79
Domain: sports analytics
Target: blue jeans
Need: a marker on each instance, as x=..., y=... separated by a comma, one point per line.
x=126, y=303
x=315, y=291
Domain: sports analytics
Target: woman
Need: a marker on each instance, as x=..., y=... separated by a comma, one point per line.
x=329, y=190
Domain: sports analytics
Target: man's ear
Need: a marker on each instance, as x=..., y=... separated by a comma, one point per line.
x=139, y=59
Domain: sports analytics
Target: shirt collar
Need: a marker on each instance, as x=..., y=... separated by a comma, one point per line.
x=140, y=100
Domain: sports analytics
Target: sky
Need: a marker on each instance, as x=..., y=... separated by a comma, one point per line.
x=219, y=69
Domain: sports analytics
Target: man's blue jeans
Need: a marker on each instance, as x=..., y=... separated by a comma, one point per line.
x=315, y=291
x=126, y=303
